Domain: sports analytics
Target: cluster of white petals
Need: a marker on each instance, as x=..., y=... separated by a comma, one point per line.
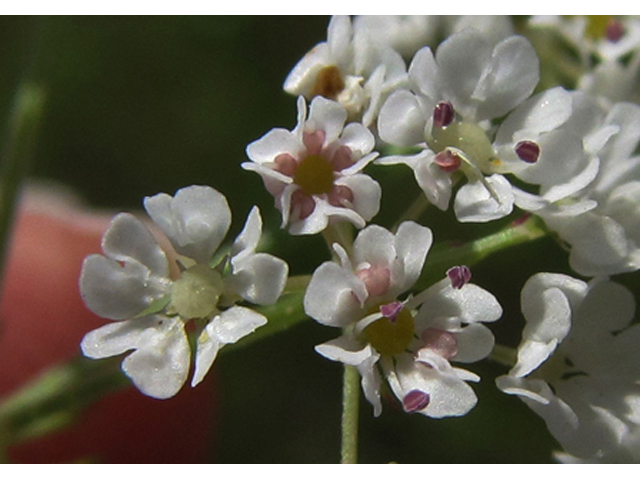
x=409, y=342
x=597, y=213
x=349, y=68
x=578, y=366
x=314, y=171
x=447, y=112
x=151, y=293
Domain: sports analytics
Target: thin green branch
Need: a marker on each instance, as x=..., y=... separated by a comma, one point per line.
x=17, y=151
x=350, y=412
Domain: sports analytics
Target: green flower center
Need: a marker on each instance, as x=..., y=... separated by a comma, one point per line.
x=314, y=175
x=196, y=293
x=469, y=138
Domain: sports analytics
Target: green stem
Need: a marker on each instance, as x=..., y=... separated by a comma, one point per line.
x=504, y=355
x=444, y=256
x=350, y=411
x=415, y=210
x=16, y=156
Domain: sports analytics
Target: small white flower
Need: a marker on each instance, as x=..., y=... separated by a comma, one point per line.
x=412, y=341
x=314, y=171
x=607, y=37
x=597, y=213
x=151, y=296
x=447, y=111
x=578, y=365
x=349, y=68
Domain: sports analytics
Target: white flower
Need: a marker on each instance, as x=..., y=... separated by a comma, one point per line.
x=607, y=37
x=314, y=171
x=599, y=219
x=452, y=98
x=404, y=33
x=614, y=81
x=350, y=69
x=151, y=296
x=578, y=365
x=412, y=341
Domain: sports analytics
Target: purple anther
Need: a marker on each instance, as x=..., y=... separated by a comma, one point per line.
x=459, y=275
x=528, y=151
x=615, y=31
x=448, y=161
x=391, y=310
x=415, y=400
x=443, y=114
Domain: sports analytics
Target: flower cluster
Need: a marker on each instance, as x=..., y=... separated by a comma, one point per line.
x=468, y=106
x=153, y=293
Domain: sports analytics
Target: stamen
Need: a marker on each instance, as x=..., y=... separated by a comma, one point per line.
x=314, y=141
x=285, y=164
x=303, y=203
x=340, y=196
x=459, y=275
x=329, y=83
x=376, y=279
x=415, y=400
x=341, y=158
x=615, y=31
x=448, y=161
x=440, y=341
x=528, y=151
x=391, y=310
x=443, y=114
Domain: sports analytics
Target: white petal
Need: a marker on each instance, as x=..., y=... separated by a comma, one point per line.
x=402, y=119
x=248, y=239
x=128, y=239
x=462, y=60
x=160, y=363
x=374, y=245
x=196, y=220
x=259, y=278
x=302, y=77
x=275, y=142
x=366, y=195
x=412, y=243
x=475, y=342
x=228, y=327
x=541, y=113
x=358, y=138
x=347, y=350
x=509, y=79
x=483, y=201
x=330, y=297
x=328, y=116
x=116, y=291
x=423, y=72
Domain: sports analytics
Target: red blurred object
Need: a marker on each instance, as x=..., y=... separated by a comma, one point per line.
x=42, y=321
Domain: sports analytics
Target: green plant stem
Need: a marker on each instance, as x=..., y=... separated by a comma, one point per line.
x=504, y=355
x=445, y=255
x=415, y=210
x=19, y=143
x=350, y=411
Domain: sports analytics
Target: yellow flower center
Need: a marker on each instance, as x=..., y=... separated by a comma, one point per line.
x=597, y=25
x=391, y=337
x=314, y=175
x=195, y=294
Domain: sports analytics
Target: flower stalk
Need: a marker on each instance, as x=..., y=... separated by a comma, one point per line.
x=350, y=411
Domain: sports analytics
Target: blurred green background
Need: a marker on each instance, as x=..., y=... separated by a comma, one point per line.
x=140, y=105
